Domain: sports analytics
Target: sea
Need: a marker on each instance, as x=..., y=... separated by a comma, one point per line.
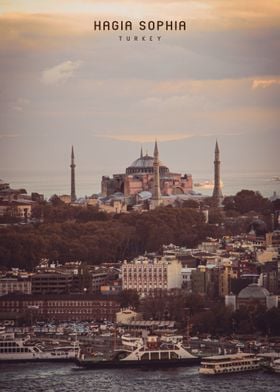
x=60, y=377
x=88, y=182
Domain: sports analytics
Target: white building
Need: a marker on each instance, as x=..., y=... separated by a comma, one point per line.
x=17, y=208
x=209, y=246
x=145, y=275
x=14, y=285
x=187, y=277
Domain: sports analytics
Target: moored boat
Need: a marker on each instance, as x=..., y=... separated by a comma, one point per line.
x=206, y=184
x=19, y=349
x=231, y=363
x=273, y=366
x=150, y=353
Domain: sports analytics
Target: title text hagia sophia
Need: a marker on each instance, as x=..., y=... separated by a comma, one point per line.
x=142, y=25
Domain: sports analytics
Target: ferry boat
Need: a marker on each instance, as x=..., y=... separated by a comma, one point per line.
x=131, y=342
x=206, y=184
x=231, y=363
x=18, y=349
x=275, y=366
x=150, y=352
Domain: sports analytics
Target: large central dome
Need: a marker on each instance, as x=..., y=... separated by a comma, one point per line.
x=145, y=161
x=144, y=164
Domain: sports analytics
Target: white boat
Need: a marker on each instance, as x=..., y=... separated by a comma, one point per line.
x=231, y=363
x=17, y=349
x=275, y=366
x=150, y=352
x=206, y=184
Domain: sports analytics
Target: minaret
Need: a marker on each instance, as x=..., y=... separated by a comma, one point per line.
x=217, y=192
x=156, y=186
x=141, y=153
x=73, y=190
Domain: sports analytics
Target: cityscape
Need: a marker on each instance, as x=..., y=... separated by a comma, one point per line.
x=147, y=258
x=139, y=196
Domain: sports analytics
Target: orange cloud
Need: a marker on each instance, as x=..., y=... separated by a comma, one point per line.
x=264, y=83
x=144, y=138
x=40, y=31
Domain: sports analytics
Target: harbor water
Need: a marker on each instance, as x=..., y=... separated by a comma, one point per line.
x=60, y=377
x=89, y=182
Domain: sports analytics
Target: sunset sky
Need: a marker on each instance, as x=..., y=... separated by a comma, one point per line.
x=63, y=84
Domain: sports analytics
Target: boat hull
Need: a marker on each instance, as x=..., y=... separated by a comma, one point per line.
x=39, y=358
x=151, y=364
x=226, y=372
x=271, y=369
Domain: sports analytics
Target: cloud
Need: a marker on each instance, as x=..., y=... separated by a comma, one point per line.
x=142, y=138
x=20, y=104
x=265, y=83
x=168, y=137
x=8, y=136
x=60, y=73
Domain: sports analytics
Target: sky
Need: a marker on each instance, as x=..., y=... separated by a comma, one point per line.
x=63, y=84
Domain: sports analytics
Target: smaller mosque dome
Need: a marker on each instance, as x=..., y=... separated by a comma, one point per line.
x=145, y=195
x=258, y=226
x=253, y=291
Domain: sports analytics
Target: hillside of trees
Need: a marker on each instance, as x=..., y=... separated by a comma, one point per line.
x=76, y=233
x=97, y=237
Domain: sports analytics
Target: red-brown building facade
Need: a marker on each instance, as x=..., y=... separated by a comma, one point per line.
x=139, y=177
x=61, y=307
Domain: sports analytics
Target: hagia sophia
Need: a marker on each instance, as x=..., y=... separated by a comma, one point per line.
x=139, y=177
x=147, y=181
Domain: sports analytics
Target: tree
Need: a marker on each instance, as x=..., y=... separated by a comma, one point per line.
x=163, y=305
x=190, y=204
x=272, y=320
x=56, y=201
x=276, y=205
x=129, y=299
x=215, y=216
x=246, y=201
x=229, y=203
